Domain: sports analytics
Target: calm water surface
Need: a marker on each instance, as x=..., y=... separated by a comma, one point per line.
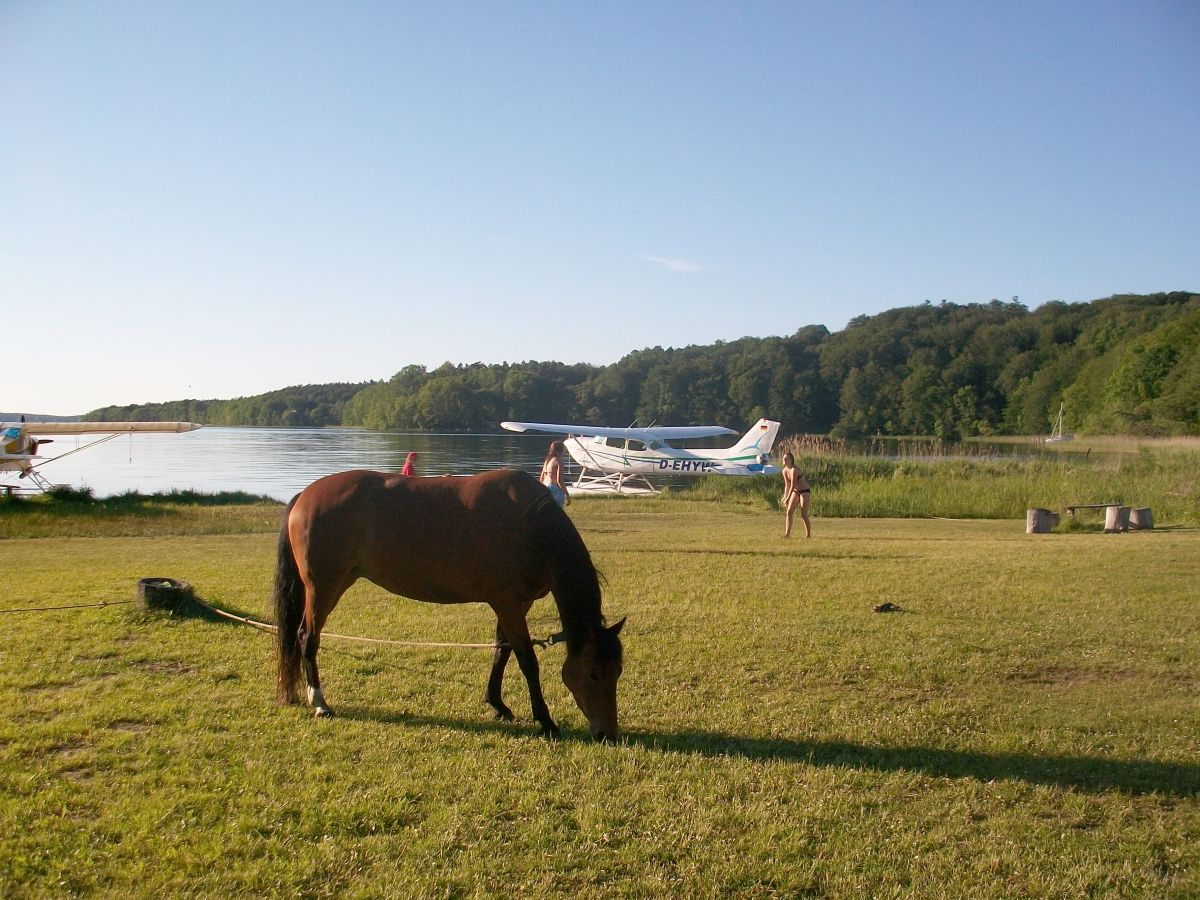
x=276, y=462
x=279, y=462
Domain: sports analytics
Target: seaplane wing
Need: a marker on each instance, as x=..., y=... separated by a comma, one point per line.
x=20, y=441
x=662, y=433
x=107, y=427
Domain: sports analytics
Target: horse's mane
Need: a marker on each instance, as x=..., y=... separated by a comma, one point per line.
x=576, y=581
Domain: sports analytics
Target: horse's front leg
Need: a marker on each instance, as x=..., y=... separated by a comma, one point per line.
x=512, y=623
x=496, y=679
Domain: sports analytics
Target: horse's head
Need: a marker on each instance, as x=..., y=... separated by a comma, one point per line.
x=590, y=673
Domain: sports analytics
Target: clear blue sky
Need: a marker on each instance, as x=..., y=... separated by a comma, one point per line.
x=215, y=199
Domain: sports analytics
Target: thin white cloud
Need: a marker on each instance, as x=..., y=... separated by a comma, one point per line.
x=673, y=264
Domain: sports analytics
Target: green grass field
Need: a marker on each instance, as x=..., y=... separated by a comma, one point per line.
x=1029, y=725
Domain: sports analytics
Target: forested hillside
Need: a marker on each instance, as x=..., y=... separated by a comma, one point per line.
x=304, y=405
x=1122, y=365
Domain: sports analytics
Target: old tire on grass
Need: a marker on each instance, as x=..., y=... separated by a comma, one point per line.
x=164, y=593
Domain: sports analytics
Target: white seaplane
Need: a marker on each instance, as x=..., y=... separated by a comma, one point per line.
x=20, y=442
x=618, y=460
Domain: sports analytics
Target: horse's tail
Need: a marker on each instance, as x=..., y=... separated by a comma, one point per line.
x=289, y=610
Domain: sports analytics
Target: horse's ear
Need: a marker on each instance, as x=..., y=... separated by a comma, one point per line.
x=616, y=629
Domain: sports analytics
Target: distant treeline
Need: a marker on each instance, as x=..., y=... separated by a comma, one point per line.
x=306, y=405
x=1122, y=365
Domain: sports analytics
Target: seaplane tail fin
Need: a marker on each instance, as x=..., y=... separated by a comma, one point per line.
x=759, y=439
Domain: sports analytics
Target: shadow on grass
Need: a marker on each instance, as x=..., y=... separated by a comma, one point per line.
x=1085, y=773
x=486, y=724
x=1079, y=773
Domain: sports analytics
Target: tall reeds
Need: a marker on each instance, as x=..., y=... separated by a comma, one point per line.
x=926, y=478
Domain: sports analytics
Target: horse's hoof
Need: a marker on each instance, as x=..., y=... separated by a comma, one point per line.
x=323, y=712
x=551, y=732
x=503, y=714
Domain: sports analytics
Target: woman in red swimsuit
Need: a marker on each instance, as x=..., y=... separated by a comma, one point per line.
x=409, y=463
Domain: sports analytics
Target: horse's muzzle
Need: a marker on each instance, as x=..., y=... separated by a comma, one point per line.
x=604, y=735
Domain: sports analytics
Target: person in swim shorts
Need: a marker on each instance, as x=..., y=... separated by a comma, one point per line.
x=551, y=475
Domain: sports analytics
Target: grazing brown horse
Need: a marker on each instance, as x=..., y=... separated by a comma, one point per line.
x=497, y=538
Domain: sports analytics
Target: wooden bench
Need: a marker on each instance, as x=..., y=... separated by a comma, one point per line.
x=1116, y=516
x=1071, y=509
x=1119, y=518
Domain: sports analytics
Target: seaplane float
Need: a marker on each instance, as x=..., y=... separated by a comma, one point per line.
x=621, y=460
x=21, y=441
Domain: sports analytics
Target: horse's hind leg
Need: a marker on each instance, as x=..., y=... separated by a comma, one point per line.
x=310, y=643
x=496, y=679
x=316, y=610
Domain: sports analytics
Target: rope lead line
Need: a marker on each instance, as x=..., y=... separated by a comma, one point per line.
x=266, y=626
x=102, y=603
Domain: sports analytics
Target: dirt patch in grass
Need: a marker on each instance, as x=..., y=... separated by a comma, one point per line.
x=173, y=667
x=53, y=687
x=130, y=726
x=68, y=749
x=1073, y=676
x=1069, y=675
x=58, y=687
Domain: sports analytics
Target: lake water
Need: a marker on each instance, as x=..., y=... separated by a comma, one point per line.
x=279, y=462
x=276, y=462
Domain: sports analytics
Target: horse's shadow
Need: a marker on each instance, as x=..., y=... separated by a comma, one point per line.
x=1091, y=774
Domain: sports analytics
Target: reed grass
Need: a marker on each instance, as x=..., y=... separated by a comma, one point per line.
x=927, y=479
